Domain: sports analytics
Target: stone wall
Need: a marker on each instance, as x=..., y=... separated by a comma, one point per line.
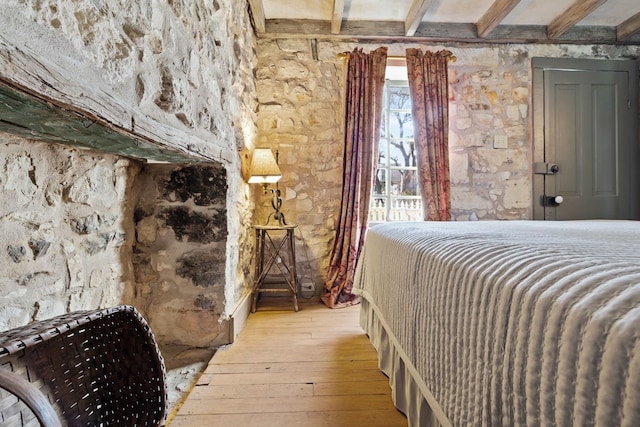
x=65, y=233
x=300, y=114
x=179, y=73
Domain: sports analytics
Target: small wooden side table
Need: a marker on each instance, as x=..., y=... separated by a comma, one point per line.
x=278, y=242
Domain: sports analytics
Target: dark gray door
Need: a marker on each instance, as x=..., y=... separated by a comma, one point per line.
x=590, y=144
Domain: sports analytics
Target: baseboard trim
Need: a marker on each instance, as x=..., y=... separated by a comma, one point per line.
x=239, y=317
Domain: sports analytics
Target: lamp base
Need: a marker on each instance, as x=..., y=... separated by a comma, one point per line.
x=276, y=203
x=278, y=216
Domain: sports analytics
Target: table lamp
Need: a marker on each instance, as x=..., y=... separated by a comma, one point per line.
x=265, y=171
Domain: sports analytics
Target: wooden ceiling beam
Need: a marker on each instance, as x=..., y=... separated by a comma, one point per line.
x=414, y=17
x=257, y=11
x=629, y=27
x=494, y=15
x=447, y=32
x=576, y=12
x=336, y=16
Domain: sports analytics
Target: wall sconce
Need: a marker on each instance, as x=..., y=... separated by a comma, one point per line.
x=265, y=171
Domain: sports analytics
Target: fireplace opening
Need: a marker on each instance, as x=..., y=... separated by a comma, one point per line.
x=94, y=216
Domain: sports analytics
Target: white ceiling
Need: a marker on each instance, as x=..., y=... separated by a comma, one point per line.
x=579, y=20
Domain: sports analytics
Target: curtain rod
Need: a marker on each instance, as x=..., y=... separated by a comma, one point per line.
x=345, y=55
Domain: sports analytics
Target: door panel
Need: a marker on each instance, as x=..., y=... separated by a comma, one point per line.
x=565, y=129
x=591, y=133
x=605, y=141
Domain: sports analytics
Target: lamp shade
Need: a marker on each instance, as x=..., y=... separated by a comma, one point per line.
x=264, y=169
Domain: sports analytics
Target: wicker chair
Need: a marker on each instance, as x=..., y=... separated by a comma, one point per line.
x=89, y=368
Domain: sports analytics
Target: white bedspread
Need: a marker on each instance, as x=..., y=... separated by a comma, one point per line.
x=513, y=323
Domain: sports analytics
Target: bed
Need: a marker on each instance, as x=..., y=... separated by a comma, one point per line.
x=506, y=323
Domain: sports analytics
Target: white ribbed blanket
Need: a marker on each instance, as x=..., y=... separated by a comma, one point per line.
x=514, y=323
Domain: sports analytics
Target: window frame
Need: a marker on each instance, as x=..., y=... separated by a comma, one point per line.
x=388, y=199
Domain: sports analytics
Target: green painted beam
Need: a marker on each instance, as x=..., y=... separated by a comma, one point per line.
x=32, y=118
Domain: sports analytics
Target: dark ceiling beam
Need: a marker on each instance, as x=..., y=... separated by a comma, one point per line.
x=258, y=15
x=494, y=15
x=336, y=16
x=629, y=27
x=414, y=17
x=567, y=19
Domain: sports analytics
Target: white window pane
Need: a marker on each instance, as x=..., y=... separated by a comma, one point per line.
x=380, y=184
x=399, y=98
x=404, y=183
x=402, y=154
x=400, y=125
x=383, y=126
x=383, y=152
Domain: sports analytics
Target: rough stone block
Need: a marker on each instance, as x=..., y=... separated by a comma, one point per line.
x=147, y=230
x=204, y=268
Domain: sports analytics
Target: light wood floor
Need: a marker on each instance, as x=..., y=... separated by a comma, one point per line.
x=312, y=368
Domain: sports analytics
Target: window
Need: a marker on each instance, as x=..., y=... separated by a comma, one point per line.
x=396, y=196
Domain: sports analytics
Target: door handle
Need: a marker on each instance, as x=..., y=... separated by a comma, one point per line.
x=552, y=201
x=542, y=168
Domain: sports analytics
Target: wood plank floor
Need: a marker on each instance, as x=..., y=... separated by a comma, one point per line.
x=312, y=368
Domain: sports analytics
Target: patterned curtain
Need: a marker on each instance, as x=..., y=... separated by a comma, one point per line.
x=428, y=86
x=363, y=111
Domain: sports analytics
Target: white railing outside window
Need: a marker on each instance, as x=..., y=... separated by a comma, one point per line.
x=395, y=210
